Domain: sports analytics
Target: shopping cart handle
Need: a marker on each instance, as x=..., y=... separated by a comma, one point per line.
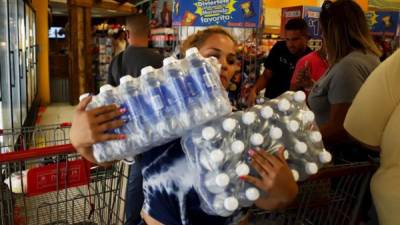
x=36, y=153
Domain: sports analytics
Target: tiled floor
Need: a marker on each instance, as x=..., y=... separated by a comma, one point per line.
x=55, y=113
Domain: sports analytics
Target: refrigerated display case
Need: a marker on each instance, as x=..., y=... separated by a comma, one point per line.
x=17, y=62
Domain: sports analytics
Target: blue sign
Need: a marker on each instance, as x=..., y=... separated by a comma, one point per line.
x=227, y=13
x=383, y=22
x=311, y=16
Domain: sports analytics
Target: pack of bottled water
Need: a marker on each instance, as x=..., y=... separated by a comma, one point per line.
x=218, y=150
x=162, y=104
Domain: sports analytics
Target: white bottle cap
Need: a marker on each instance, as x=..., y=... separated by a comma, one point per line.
x=315, y=137
x=256, y=139
x=267, y=112
x=300, y=147
x=242, y=169
x=249, y=118
x=237, y=147
x=105, y=88
x=169, y=60
x=229, y=124
x=295, y=174
x=208, y=133
x=286, y=154
x=217, y=156
x=275, y=133
x=146, y=70
x=231, y=204
x=299, y=97
x=222, y=180
x=192, y=51
x=311, y=168
x=252, y=194
x=284, y=105
x=325, y=157
x=293, y=126
x=308, y=116
x=125, y=79
x=83, y=96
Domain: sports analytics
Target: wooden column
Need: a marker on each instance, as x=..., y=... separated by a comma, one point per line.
x=80, y=47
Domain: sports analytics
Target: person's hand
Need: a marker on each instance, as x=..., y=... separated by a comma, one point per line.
x=275, y=179
x=89, y=127
x=303, y=79
x=251, y=97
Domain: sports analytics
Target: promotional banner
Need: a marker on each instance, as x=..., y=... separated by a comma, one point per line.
x=383, y=22
x=311, y=16
x=308, y=13
x=227, y=13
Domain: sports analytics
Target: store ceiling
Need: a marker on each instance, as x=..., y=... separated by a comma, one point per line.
x=101, y=8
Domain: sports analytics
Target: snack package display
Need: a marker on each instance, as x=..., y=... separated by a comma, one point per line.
x=218, y=150
x=162, y=104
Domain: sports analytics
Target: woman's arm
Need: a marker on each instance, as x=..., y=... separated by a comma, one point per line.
x=333, y=131
x=276, y=180
x=89, y=127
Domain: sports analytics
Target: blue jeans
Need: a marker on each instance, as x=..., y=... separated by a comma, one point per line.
x=134, y=194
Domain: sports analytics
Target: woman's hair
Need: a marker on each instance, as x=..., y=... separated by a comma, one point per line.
x=200, y=37
x=345, y=29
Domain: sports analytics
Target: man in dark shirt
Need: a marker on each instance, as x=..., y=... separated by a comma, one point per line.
x=131, y=61
x=281, y=61
x=137, y=55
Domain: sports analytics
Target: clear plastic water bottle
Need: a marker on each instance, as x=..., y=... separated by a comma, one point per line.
x=212, y=97
x=225, y=205
x=248, y=122
x=211, y=138
x=132, y=97
x=248, y=195
x=216, y=182
x=212, y=160
x=303, y=167
x=155, y=112
x=178, y=79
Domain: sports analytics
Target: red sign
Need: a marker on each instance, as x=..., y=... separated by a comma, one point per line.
x=55, y=177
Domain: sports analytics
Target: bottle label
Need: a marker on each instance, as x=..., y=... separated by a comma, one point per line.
x=193, y=89
x=181, y=88
x=170, y=97
x=156, y=98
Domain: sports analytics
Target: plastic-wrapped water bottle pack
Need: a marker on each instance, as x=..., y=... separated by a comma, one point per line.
x=162, y=104
x=218, y=150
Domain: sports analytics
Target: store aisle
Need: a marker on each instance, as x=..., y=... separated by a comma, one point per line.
x=54, y=114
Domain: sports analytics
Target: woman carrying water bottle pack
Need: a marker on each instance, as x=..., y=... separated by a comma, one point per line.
x=167, y=179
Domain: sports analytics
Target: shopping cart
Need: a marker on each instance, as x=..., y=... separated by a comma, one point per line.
x=332, y=197
x=44, y=181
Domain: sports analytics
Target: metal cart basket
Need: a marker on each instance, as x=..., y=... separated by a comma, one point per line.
x=334, y=196
x=44, y=181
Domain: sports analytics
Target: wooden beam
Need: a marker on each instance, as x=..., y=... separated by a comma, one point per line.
x=115, y=6
x=81, y=3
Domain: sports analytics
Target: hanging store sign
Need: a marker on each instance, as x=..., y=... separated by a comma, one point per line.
x=227, y=13
x=383, y=22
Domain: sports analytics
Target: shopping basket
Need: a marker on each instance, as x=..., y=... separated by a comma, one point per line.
x=334, y=196
x=44, y=181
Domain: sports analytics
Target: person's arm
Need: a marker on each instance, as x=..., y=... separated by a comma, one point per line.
x=333, y=131
x=260, y=84
x=276, y=180
x=262, y=81
x=89, y=127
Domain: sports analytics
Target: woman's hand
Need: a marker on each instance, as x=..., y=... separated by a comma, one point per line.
x=276, y=179
x=89, y=127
